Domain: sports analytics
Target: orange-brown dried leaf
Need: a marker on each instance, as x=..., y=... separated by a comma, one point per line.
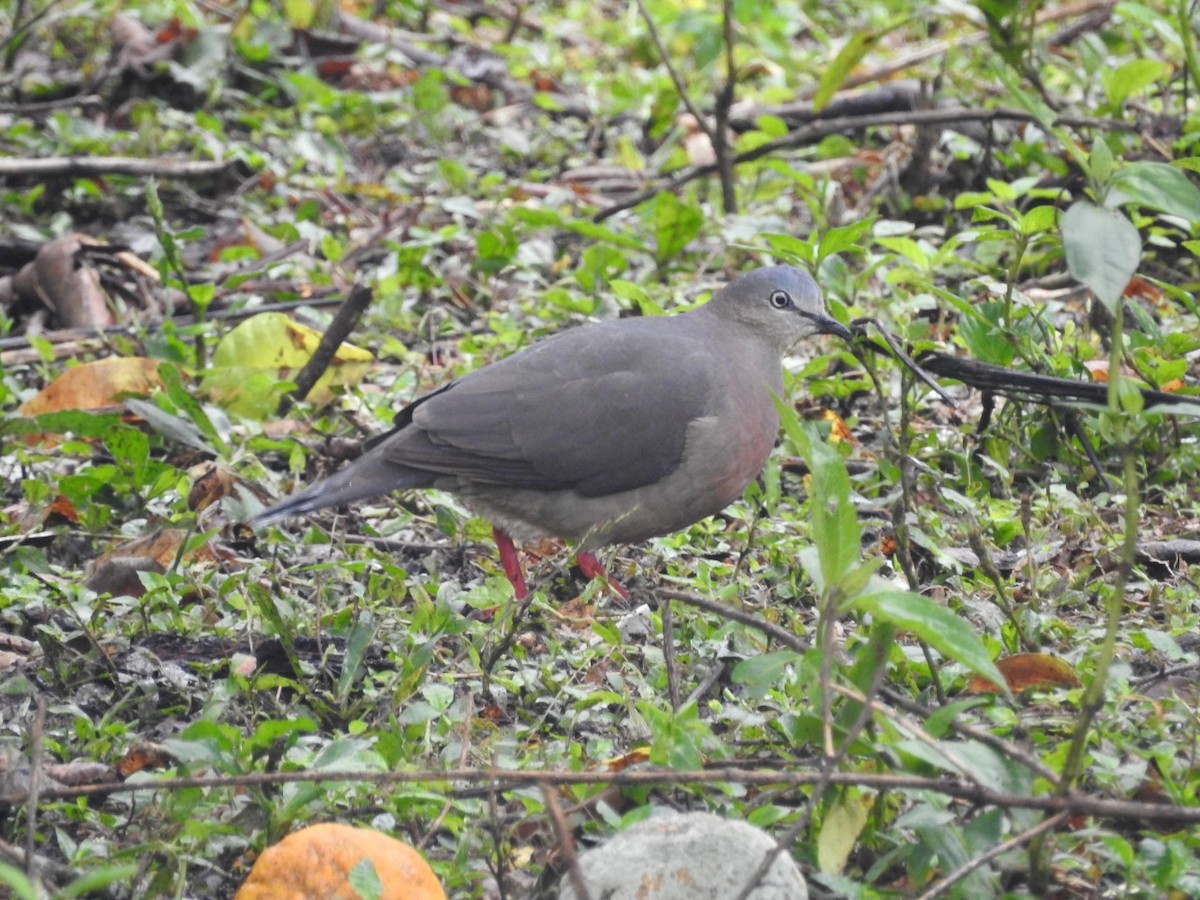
x=61, y=510
x=314, y=863
x=163, y=546
x=95, y=385
x=210, y=483
x=839, y=431
x=632, y=758
x=473, y=96
x=493, y=713
x=1024, y=671
x=1140, y=287
x=143, y=757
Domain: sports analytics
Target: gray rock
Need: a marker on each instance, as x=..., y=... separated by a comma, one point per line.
x=685, y=856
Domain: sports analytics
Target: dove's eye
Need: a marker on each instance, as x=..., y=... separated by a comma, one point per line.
x=781, y=299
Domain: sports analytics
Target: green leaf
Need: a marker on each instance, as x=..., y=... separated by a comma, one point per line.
x=836, y=72
x=185, y=401
x=835, y=525
x=69, y=421
x=679, y=738
x=93, y=882
x=791, y=247
x=1102, y=249
x=837, y=240
x=1100, y=161
x=1157, y=186
x=357, y=645
x=1038, y=219
x=840, y=829
x=365, y=880
x=131, y=451
x=762, y=672
x=1132, y=78
x=675, y=225
x=937, y=626
x=16, y=881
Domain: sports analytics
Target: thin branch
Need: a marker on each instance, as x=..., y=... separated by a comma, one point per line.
x=780, y=634
x=1074, y=803
x=676, y=79
x=68, y=166
x=669, y=663
x=566, y=844
x=813, y=132
x=344, y=322
x=939, y=888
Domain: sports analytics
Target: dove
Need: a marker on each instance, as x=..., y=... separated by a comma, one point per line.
x=607, y=433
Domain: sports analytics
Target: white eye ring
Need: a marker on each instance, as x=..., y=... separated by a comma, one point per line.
x=781, y=299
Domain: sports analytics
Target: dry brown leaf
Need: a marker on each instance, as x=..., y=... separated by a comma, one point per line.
x=62, y=281
x=95, y=385
x=1024, y=671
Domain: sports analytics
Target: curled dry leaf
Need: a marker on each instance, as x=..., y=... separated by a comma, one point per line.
x=118, y=575
x=163, y=546
x=210, y=483
x=61, y=279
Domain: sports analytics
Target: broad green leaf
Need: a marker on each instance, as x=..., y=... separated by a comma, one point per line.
x=835, y=527
x=1102, y=249
x=790, y=246
x=763, y=671
x=1132, y=78
x=840, y=829
x=357, y=645
x=18, y=882
x=94, y=882
x=1157, y=186
x=252, y=359
x=676, y=223
x=171, y=426
x=679, y=738
x=130, y=449
x=835, y=240
x=937, y=626
x=1038, y=219
x=185, y=401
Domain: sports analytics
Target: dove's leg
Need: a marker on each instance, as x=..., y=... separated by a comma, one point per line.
x=591, y=568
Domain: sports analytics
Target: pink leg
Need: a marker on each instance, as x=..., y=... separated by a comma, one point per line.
x=591, y=568
x=511, y=563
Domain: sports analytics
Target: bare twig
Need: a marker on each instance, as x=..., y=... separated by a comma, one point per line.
x=35, y=786
x=668, y=633
x=772, y=630
x=718, y=132
x=939, y=888
x=823, y=128
x=71, y=166
x=1073, y=802
x=339, y=329
x=566, y=844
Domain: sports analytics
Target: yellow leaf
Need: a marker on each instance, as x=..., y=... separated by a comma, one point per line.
x=251, y=361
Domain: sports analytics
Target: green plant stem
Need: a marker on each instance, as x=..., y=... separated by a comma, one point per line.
x=1093, y=695
x=1187, y=38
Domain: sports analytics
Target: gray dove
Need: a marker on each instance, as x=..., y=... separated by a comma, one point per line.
x=609, y=433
